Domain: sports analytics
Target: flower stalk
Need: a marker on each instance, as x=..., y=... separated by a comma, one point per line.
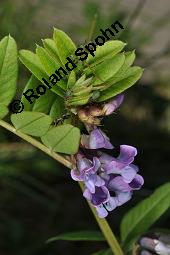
x=103, y=224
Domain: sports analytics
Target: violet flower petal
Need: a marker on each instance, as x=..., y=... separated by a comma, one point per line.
x=127, y=154
x=123, y=197
x=137, y=182
x=87, y=194
x=128, y=173
x=102, y=212
x=118, y=184
x=112, y=105
x=100, y=196
x=111, y=204
x=98, y=140
x=76, y=176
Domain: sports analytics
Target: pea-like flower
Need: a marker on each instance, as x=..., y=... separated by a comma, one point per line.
x=86, y=171
x=96, y=140
x=112, y=105
x=92, y=114
x=109, y=181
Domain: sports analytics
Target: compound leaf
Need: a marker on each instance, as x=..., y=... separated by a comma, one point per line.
x=32, y=62
x=108, y=50
x=50, y=65
x=107, y=69
x=8, y=72
x=132, y=76
x=3, y=111
x=65, y=46
x=32, y=123
x=57, y=108
x=51, y=47
x=64, y=139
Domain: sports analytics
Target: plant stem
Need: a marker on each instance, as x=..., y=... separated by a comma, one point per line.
x=37, y=144
x=106, y=230
x=104, y=226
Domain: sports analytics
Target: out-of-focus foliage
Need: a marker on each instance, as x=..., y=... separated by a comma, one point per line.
x=35, y=192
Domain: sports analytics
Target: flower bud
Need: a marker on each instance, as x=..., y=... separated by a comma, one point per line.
x=85, y=116
x=96, y=110
x=155, y=245
x=111, y=106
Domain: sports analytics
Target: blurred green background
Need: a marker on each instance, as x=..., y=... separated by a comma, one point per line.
x=38, y=199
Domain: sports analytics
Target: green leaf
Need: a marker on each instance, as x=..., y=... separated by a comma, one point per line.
x=32, y=123
x=8, y=72
x=49, y=64
x=58, y=108
x=108, y=50
x=79, y=236
x=64, y=139
x=51, y=47
x=32, y=83
x=32, y=62
x=71, y=80
x=107, y=69
x=3, y=111
x=129, y=59
x=143, y=215
x=44, y=102
x=132, y=76
x=65, y=46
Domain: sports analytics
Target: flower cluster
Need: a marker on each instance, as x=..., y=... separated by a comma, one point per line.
x=109, y=181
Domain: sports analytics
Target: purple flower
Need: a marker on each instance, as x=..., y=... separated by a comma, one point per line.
x=122, y=166
x=109, y=181
x=86, y=172
x=118, y=184
x=96, y=140
x=112, y=105
x=102, y=200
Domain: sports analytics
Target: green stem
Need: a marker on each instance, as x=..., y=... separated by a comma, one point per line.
x=106, y=230
x=104, y=226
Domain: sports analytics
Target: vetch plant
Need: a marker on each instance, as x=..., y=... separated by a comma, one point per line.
x=66, y=121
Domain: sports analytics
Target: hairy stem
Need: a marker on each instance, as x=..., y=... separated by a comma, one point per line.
x=104, y=226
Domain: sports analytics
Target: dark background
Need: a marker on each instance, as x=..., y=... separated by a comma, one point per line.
x=38, y=199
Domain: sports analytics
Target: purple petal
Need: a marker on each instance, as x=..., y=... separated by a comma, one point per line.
x=137, y=182
x=90, y=184
x=118, y=184
x=83, y=164
x=76, y=176
x=111, y=106
x=127, y=154
x=111, y=204
x=102, y=212
x=87, y=194
x=100, y=196
x=105, y=158
x=99, y=140
x=99, y=181
x=123, y=197
x=96, y=165
x=128, y=173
